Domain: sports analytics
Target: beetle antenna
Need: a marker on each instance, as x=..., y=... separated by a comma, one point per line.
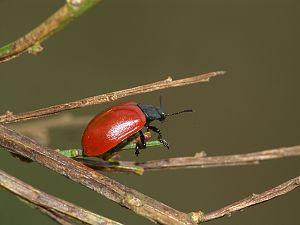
x=176, y=113
x=160, y=102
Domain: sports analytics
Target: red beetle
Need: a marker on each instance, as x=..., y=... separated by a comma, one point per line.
x=109, y=129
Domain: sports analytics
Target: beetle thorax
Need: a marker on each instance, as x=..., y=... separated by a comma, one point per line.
x=152, y=113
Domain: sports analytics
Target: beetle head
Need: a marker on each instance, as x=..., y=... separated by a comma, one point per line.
x=152, y=112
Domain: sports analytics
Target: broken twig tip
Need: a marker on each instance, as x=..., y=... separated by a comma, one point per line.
x=222, y=72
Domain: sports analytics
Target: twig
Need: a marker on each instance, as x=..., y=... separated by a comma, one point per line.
x=44, y=200
x=112, y=96
x=200, y=159
x=31, y=41
x=129, y=198
x=57, y=217
x=253, y=200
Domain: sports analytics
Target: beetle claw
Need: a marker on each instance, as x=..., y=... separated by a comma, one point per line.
x=165, y=143
x=137, y=152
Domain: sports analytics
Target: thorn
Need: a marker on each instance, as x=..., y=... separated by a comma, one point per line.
x=35, y=49
x=75, y=3
x=169, y=79
x=9, y=113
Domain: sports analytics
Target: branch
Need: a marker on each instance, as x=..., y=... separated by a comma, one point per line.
x=253, y=200
x=31, y=41
x=201, y=160
x=76, y=171
x=50, y=204
x=112, y=96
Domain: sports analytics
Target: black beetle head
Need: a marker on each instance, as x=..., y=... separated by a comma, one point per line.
x=152, y=112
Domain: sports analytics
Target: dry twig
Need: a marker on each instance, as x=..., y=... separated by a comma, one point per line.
x=253, y=200
x=31, y=41
x=50, y=204
x=201, y=160
x=168, y=83
x=57, y=217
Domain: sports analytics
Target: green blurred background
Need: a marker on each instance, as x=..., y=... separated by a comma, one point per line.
x=123, y=43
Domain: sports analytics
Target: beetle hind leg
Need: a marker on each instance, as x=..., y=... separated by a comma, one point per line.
x=157, y=130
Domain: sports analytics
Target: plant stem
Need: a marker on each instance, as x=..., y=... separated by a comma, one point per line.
x=31, y=41
x=203, y=161
x=253, y=200
x=57, y=217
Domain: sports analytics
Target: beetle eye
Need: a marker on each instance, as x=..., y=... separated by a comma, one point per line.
x=162, y=117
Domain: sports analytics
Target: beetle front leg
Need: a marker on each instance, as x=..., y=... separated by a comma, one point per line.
x=143, y=140
x=157, y=130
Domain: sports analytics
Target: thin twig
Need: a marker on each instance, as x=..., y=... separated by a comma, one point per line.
x=44, y=200
x=129, y=198
x=202, y=161
x=31, y=41
x=253, y=200
x=61, y=219
x=112, y=96
x=57, y=217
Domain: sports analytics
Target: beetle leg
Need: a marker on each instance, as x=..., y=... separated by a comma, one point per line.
x=141, y=144
x=143, y=141
x=137, y=149
x=157, y=130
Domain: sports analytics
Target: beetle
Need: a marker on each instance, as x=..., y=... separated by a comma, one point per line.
x=112, y=127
